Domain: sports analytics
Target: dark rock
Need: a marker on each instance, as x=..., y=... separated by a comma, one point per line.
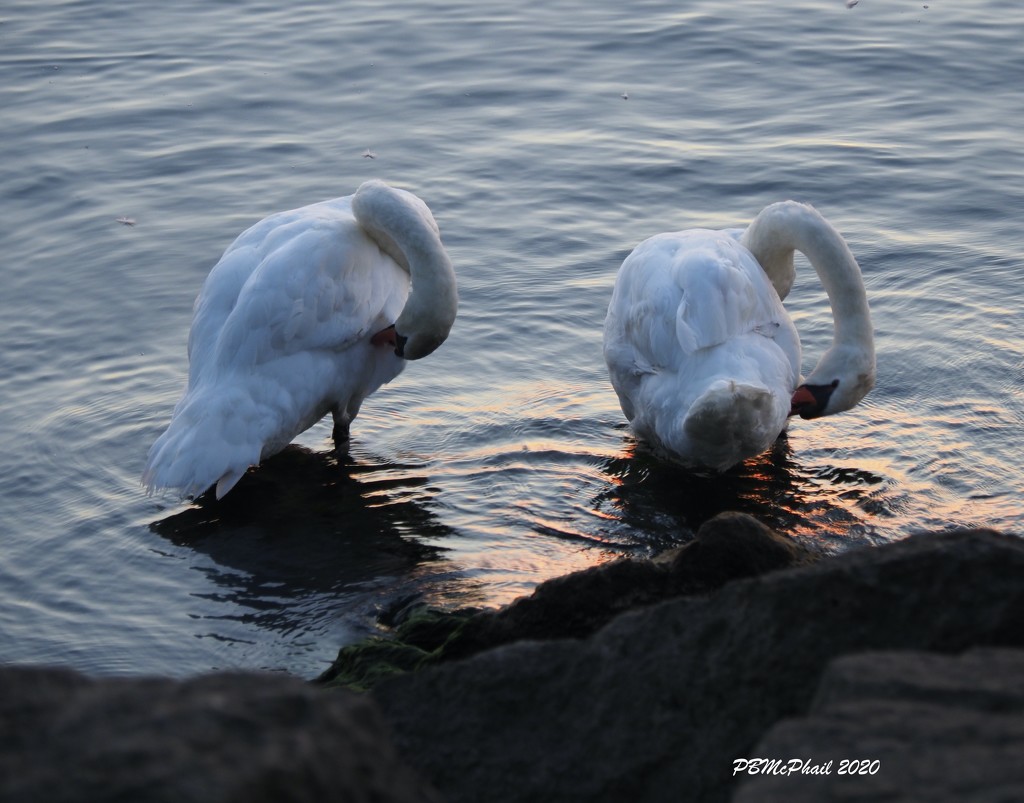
x=731, y=546
x=66, y=738
x=416, y=639
x=658, y=704
x=727, y=547
x=940, y=727
x=571, y=606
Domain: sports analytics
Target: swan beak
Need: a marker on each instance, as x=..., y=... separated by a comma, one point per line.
x=803, y=403
x=385, y=337
x=810, y=401
x=400, y=341
x=390, y=337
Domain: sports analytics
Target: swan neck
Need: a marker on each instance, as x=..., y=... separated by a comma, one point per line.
x=782, y=229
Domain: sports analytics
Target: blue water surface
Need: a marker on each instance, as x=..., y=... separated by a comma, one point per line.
x=549, y=138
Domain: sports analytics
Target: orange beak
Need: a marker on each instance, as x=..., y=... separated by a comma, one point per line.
x=803, y=401
x=385, y=337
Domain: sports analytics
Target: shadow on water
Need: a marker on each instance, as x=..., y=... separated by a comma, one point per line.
x=310, y=522
x=667, y=504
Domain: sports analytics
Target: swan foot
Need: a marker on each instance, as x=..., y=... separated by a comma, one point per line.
x=340, y=434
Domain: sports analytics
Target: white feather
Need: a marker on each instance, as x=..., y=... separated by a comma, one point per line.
x=281, y=334
x=700, y=350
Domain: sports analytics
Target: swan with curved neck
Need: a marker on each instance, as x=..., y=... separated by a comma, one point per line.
x=702, y=354
x=308, y=312
x=404, y=229
x=846, y=371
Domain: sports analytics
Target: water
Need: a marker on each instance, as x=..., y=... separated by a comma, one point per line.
x=549, y=139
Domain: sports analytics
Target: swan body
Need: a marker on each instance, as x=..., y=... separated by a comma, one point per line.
x=701, y=352
x=308, y=312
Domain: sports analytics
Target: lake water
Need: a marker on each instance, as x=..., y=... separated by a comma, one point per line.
x=548, y=138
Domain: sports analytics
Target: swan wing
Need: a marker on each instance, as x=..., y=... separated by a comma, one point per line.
x=280, y=336
x=298, y=281
x=682, y=292
x=224, y=284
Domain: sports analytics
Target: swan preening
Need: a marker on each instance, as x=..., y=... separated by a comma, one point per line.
x=308, y=312
x=701, y=352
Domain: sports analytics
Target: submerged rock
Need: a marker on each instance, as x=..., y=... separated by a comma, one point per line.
x=728, y=547
x=232, y=737
x=659, y=703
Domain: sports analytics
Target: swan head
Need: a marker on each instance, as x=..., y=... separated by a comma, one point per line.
x=429, y=314
x=404, y=229
x=841, y=379
x=410, y=346
x=425, y=320
x=418, y=344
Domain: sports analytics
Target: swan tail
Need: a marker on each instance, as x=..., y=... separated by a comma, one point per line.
x=206, y=444
x=732, y=421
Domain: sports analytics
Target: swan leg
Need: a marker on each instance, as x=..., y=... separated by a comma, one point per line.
x=340, y=433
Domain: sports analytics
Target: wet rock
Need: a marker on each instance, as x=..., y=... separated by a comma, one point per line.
x=417, y=639
x=727, y=547
x=884, y=725
x=67, y=738
x=659, y=703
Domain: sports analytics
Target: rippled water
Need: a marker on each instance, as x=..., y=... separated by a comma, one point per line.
x=549, y=139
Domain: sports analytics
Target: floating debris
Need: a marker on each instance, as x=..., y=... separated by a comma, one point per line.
x=127, y=221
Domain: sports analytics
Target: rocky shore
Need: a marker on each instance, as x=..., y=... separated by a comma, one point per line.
x=739, y=667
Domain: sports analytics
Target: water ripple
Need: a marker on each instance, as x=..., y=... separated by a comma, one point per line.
x=548, y=139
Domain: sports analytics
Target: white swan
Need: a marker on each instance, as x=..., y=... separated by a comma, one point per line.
x=702, y=354
x=307, y=312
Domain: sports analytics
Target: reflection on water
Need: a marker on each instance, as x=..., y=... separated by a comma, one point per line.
x=308, y=530
x=312, y=518
x=824, y=506
x=312, y=535
x=503, y=460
